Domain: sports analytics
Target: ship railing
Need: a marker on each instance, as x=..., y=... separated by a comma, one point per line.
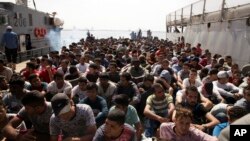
x=209, y=11
x=28, y=54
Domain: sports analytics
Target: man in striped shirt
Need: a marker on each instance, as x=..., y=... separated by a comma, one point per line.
x=159, y=109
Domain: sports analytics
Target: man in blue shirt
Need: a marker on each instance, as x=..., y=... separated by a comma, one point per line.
x=10, y=43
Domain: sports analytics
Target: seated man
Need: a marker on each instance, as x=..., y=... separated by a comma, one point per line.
x=97, y=103
x=137, y=72
x=182, y=129
x=227, y=90
x=233, y=113
x=159, y=108
x=4, y=118
x=106, y=88
x=121, y=102
x=210, y=92
x=12, y=100
x=225, y=133
x=245, y=101
x=37, y=111
x=36, y=84
x=202, y=120
x=181, y=96
x=3, y=84
x=115, y=128
x=59, y=85
x=79, y=91
x=73, y=122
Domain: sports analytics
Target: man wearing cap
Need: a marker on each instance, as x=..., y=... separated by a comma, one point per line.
x=10, y=44
x=72, y=122
x=228, y=91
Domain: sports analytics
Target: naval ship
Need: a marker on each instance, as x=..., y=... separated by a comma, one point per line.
x=34, y=28
x=222, y=26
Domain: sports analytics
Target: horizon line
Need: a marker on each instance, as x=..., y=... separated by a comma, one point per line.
x=85, y=29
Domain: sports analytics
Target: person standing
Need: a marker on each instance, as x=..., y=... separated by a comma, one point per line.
x=10, y=44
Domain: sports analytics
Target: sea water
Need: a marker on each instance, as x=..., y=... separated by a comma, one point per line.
x=69, y=36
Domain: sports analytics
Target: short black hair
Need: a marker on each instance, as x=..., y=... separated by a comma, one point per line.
x=83, y=79
x=91, y=86
x=121, y=99
x=148, y=77
x=33, y=98
x=72, y=69
x=31, y=65
x=104, y=75
x=58, y=75
x=17, y=80
x=32, y=76
x=126, y=75
x=117, y=115
x=236, y=112
x=213, y=71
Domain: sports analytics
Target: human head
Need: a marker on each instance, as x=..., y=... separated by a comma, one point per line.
x=64, y=63
x=135, y=62
x=125, y=77
x=183, y=119
x=34, y=80
x=104, y=78
x=158, y=90
x=31, y=66
x=114, y=123
x=166, y=76
x=92, y=89
x=33, y=102
x=213, y=74
x=3, y=83
x=9, y=28
x=208, y=87
x=193, y=74
x=235, y=112
x=73, y=69
x=193, y=95
x=222, y=77
x=121, y=101
x=59, y=79
x=148, y=80
x=60, y=104
x=246, y=93
x=113, y=67
x=16, y=84
x=82, y=82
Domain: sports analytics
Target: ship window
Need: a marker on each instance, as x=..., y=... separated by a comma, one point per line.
x=45, y=20
x=51, y=21
x=208, y=25
x=30, y=20
x=3, y=20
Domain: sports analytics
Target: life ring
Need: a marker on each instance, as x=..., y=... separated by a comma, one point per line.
x=37, y=32
x=41, y=32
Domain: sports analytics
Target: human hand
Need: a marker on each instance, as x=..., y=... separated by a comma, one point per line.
x=162, y=119
x=26, y=135
x=237, y=96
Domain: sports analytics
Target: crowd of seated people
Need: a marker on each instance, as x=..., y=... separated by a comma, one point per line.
x=123, y=89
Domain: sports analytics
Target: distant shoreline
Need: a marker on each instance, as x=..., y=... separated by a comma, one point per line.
x=68, y=29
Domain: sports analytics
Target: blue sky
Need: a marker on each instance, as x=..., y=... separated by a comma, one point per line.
x=112, y=14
